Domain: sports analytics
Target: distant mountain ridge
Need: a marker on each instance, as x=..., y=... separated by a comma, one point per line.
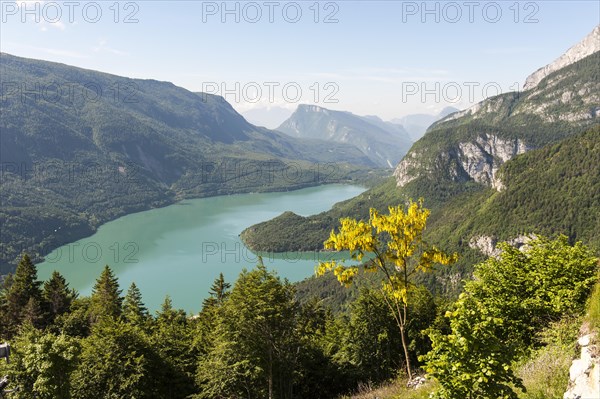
x=382, y=142
x=416, y=124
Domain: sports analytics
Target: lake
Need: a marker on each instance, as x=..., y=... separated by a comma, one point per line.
x=180, y=249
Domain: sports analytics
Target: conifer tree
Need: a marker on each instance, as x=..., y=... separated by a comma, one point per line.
x=24, y=286
x=219, y=291
x=57, y=296
x=134, y=310
x=106, y=296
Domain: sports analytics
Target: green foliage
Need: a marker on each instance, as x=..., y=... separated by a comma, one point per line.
x=57, y=296
x=21, y=298
x=172, y=341
x=42, y=364
x=116, y=362
x=255, y=346
x=471, y=362
x=549, y=280
x=256, y=341
x=370, y=341
x=503, y=310
x=76, y=322
x=317, y=374
x=593, y=307
x=218, y=293
x=106, y=300
x=134, y=310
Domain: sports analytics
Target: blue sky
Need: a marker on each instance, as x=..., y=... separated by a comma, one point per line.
x=377, y=57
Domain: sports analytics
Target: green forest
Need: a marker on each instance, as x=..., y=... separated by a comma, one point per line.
x=255, y=338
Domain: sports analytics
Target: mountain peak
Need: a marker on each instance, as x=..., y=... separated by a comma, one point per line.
x=382, y=142
x=589, y=45
x=311, y=108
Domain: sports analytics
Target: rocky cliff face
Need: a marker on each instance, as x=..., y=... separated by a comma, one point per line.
x=489, y=245
x=473, y=144
x=478, y=159
x=587, y=46
x=481, y=159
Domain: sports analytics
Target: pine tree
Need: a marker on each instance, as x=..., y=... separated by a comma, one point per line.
x=23, y=287
x=255, y=346
x=106, y=296
x=134, y=310
x=57, y=296
x=168, y=315
x=219, y=291
x=172, y=339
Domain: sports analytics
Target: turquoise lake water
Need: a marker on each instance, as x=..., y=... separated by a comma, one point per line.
x=180, y=249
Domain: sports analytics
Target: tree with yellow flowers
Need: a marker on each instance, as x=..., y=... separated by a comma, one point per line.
x=395, y=241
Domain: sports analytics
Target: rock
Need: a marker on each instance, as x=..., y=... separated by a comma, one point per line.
x=584, y=341
x=406, y=172
x=479, y=160
x=584, y=374
x=578, y=368
x=416, y=382
x=589, y=45
x=488, y=245
x=482, y=159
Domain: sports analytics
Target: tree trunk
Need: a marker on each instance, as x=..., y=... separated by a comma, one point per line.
x=270, y=373
x=405, y=347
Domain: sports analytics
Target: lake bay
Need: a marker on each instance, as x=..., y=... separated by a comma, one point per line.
x=180, y=249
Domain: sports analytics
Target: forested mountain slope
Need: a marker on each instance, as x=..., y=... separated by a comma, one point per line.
x=80, y=147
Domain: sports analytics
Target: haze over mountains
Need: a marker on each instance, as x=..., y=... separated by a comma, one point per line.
x=269, y=117
x=382, y=142
x=417, y=124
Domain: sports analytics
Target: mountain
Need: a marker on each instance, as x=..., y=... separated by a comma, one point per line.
x=383, y=143
x=416, y=124
x=589, y=45
x=269, y=117
x=513, y=164
x=472, y=144
x=80, y=147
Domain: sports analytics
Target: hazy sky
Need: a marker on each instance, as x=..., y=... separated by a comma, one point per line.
x=387, y=58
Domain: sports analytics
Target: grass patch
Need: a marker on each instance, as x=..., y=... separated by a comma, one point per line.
x=593, y=313
x=393, y=390
x=545, y=373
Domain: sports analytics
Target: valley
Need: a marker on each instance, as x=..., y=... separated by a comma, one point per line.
x=288, y=201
